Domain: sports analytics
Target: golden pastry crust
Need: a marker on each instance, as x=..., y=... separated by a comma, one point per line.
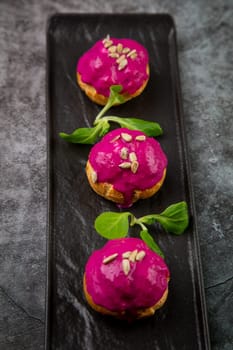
x=107, y=190
x=139, y=313
x=101, y=99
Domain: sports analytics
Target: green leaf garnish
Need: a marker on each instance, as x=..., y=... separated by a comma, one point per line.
x=115, y=98
x=101, y=124
x=149, y=128
x=81, y=135
x=86, y=135
x=174, y=219
x=149, y=240
x=112, y=225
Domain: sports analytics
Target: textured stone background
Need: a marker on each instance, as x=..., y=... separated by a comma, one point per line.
x=206, y=66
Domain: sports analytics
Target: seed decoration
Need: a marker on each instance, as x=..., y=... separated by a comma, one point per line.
x=140, y=255
x=94, y=176
x=119, y=48
x=133, y=255
x=120, y=59
x=112, y=49
x=134, y=166
x=126, y=137
x=126, y=266
x=132, y=53
x=115, y=138
x=132, y=156
x=133, y=56
x=126, y=255
x=125, y=50
x=133, y=163
x=110, y=258
x=114, y=55
x=108, y=43
x=125, y=165
x=140, y=138
x=124, y=153
x=118, y=52
x=122, y=64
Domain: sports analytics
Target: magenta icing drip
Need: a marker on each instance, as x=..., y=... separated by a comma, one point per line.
x=105, y=157
x=101, y=71
x=111, y=288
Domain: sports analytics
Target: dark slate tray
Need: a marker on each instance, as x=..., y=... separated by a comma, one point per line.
x=73, y=206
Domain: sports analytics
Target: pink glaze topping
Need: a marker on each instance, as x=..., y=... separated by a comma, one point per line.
x=110, y=287
x=100, y=68
x=106, y=158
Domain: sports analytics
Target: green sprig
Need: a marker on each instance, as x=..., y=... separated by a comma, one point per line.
x=174, y=219
x=101, y=123
x=149, y=240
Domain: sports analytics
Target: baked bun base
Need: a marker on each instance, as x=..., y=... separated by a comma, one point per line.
x=91, y=92
x=107, y=190
x=137, y=314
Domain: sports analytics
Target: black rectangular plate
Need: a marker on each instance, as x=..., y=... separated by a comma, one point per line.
x=73, y=206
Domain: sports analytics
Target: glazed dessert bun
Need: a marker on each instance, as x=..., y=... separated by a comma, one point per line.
x=126, y=165
x=126, y=279
x=113, y=61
